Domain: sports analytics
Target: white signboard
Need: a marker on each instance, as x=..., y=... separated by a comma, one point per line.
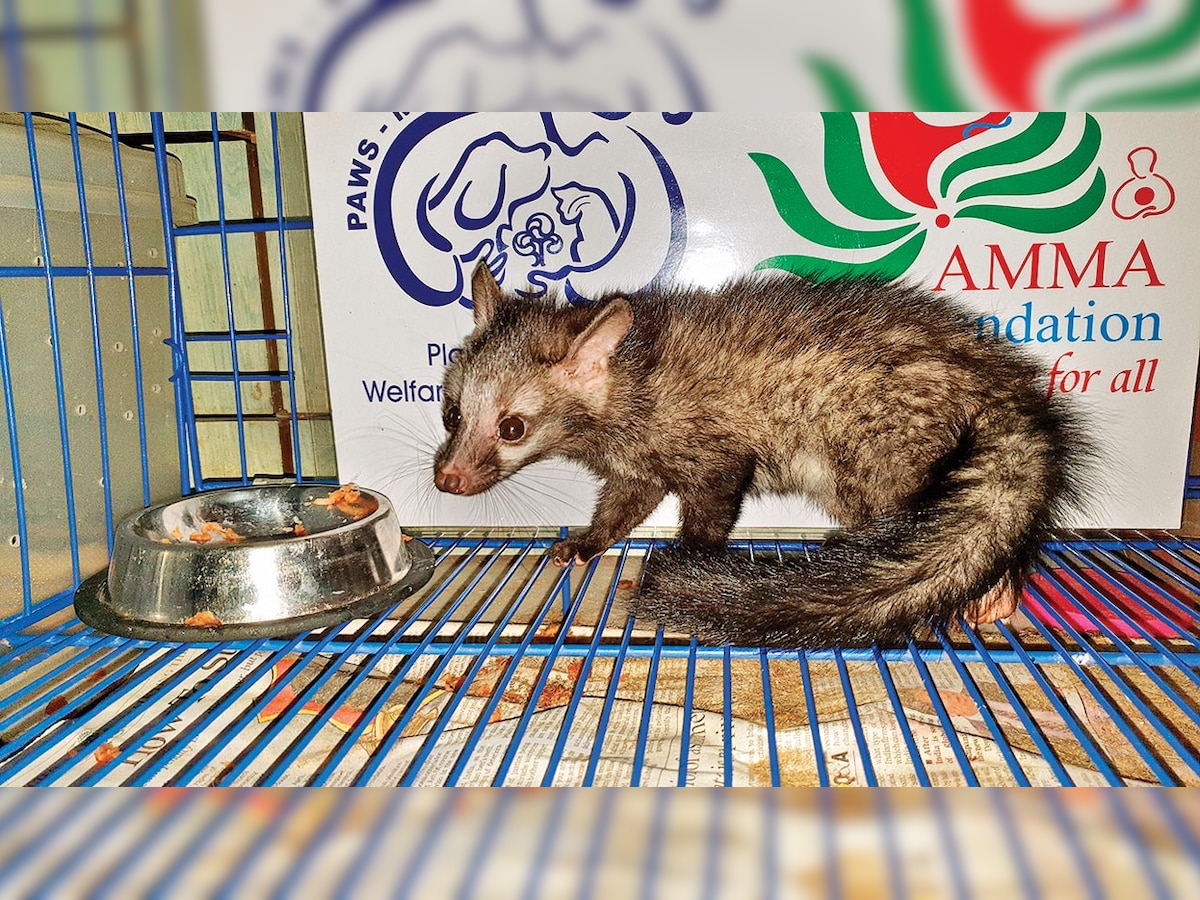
x=1070, y=234
x=700, y=54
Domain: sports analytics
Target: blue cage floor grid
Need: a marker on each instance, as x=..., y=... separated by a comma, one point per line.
x=505, y=670
x=530, y=844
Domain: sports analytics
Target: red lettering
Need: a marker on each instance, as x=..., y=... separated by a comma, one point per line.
x=1031, y=260
x=1062, y=256
x=1141, y=252
x=962, y=272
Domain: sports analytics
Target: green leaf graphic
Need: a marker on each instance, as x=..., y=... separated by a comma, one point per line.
x=1042, y=221
x=1178, y=37
x=891, y=265
x=843, y=94
x=846, y=170
x=1034, y=140
x=930, y=82
x=1171, y=96
x=1045, y=180
x=799, y=214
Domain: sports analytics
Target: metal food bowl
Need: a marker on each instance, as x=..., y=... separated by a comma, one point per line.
x=253, y=562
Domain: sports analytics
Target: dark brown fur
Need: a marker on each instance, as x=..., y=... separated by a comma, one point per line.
x=936, y=451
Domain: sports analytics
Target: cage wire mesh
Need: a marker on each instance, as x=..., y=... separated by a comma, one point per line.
x=792, y=843
x=123, y=54
x=159, y=335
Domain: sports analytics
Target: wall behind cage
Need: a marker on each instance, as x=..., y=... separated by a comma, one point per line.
x=248, y=280
x=85, y=316
x=119, y=54
x=136, y=287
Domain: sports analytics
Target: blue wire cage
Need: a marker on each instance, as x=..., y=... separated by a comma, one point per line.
x=593, y=843
x=139, y=54
x=155, y=344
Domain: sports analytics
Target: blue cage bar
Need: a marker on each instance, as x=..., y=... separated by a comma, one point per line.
x=138, y=54
x=586, y=843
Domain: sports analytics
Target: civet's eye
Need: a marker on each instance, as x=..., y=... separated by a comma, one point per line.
x=511, y=428
x=452, y=417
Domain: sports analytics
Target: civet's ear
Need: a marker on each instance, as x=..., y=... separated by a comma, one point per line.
x=485, y=294
x=585, y=366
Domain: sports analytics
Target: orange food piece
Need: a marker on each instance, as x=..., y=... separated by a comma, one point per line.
x=203, y=619
x=347, y=493
x=209, y=530
x=299, y=529
x=177, y=534
x=327, y=500
x=227, y=533
x=106, y=752
x=348, y=499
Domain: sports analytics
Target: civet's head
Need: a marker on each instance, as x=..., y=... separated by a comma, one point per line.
x=524, y=384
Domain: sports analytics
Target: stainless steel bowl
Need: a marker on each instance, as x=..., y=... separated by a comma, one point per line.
x=252, y=562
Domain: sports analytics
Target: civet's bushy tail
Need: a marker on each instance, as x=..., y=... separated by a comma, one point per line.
x=980, y=524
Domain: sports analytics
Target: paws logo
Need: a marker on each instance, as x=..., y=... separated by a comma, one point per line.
x=1117, y=54
x=896, y=176
x=546, y=199
x=487, y=54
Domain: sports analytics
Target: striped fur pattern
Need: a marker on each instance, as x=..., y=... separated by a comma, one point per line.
x=937, y=451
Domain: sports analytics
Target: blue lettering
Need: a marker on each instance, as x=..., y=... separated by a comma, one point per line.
x=410, y=391
x=358, y=172
x=1071, y=327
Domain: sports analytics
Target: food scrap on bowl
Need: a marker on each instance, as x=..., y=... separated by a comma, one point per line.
x=203, y=619
x=222, y=531
x=208, y=531
x=350, y=500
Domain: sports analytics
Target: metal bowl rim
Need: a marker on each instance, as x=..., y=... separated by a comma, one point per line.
x=126, y=527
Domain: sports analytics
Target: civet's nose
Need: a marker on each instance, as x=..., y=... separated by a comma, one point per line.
x=451, y=480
